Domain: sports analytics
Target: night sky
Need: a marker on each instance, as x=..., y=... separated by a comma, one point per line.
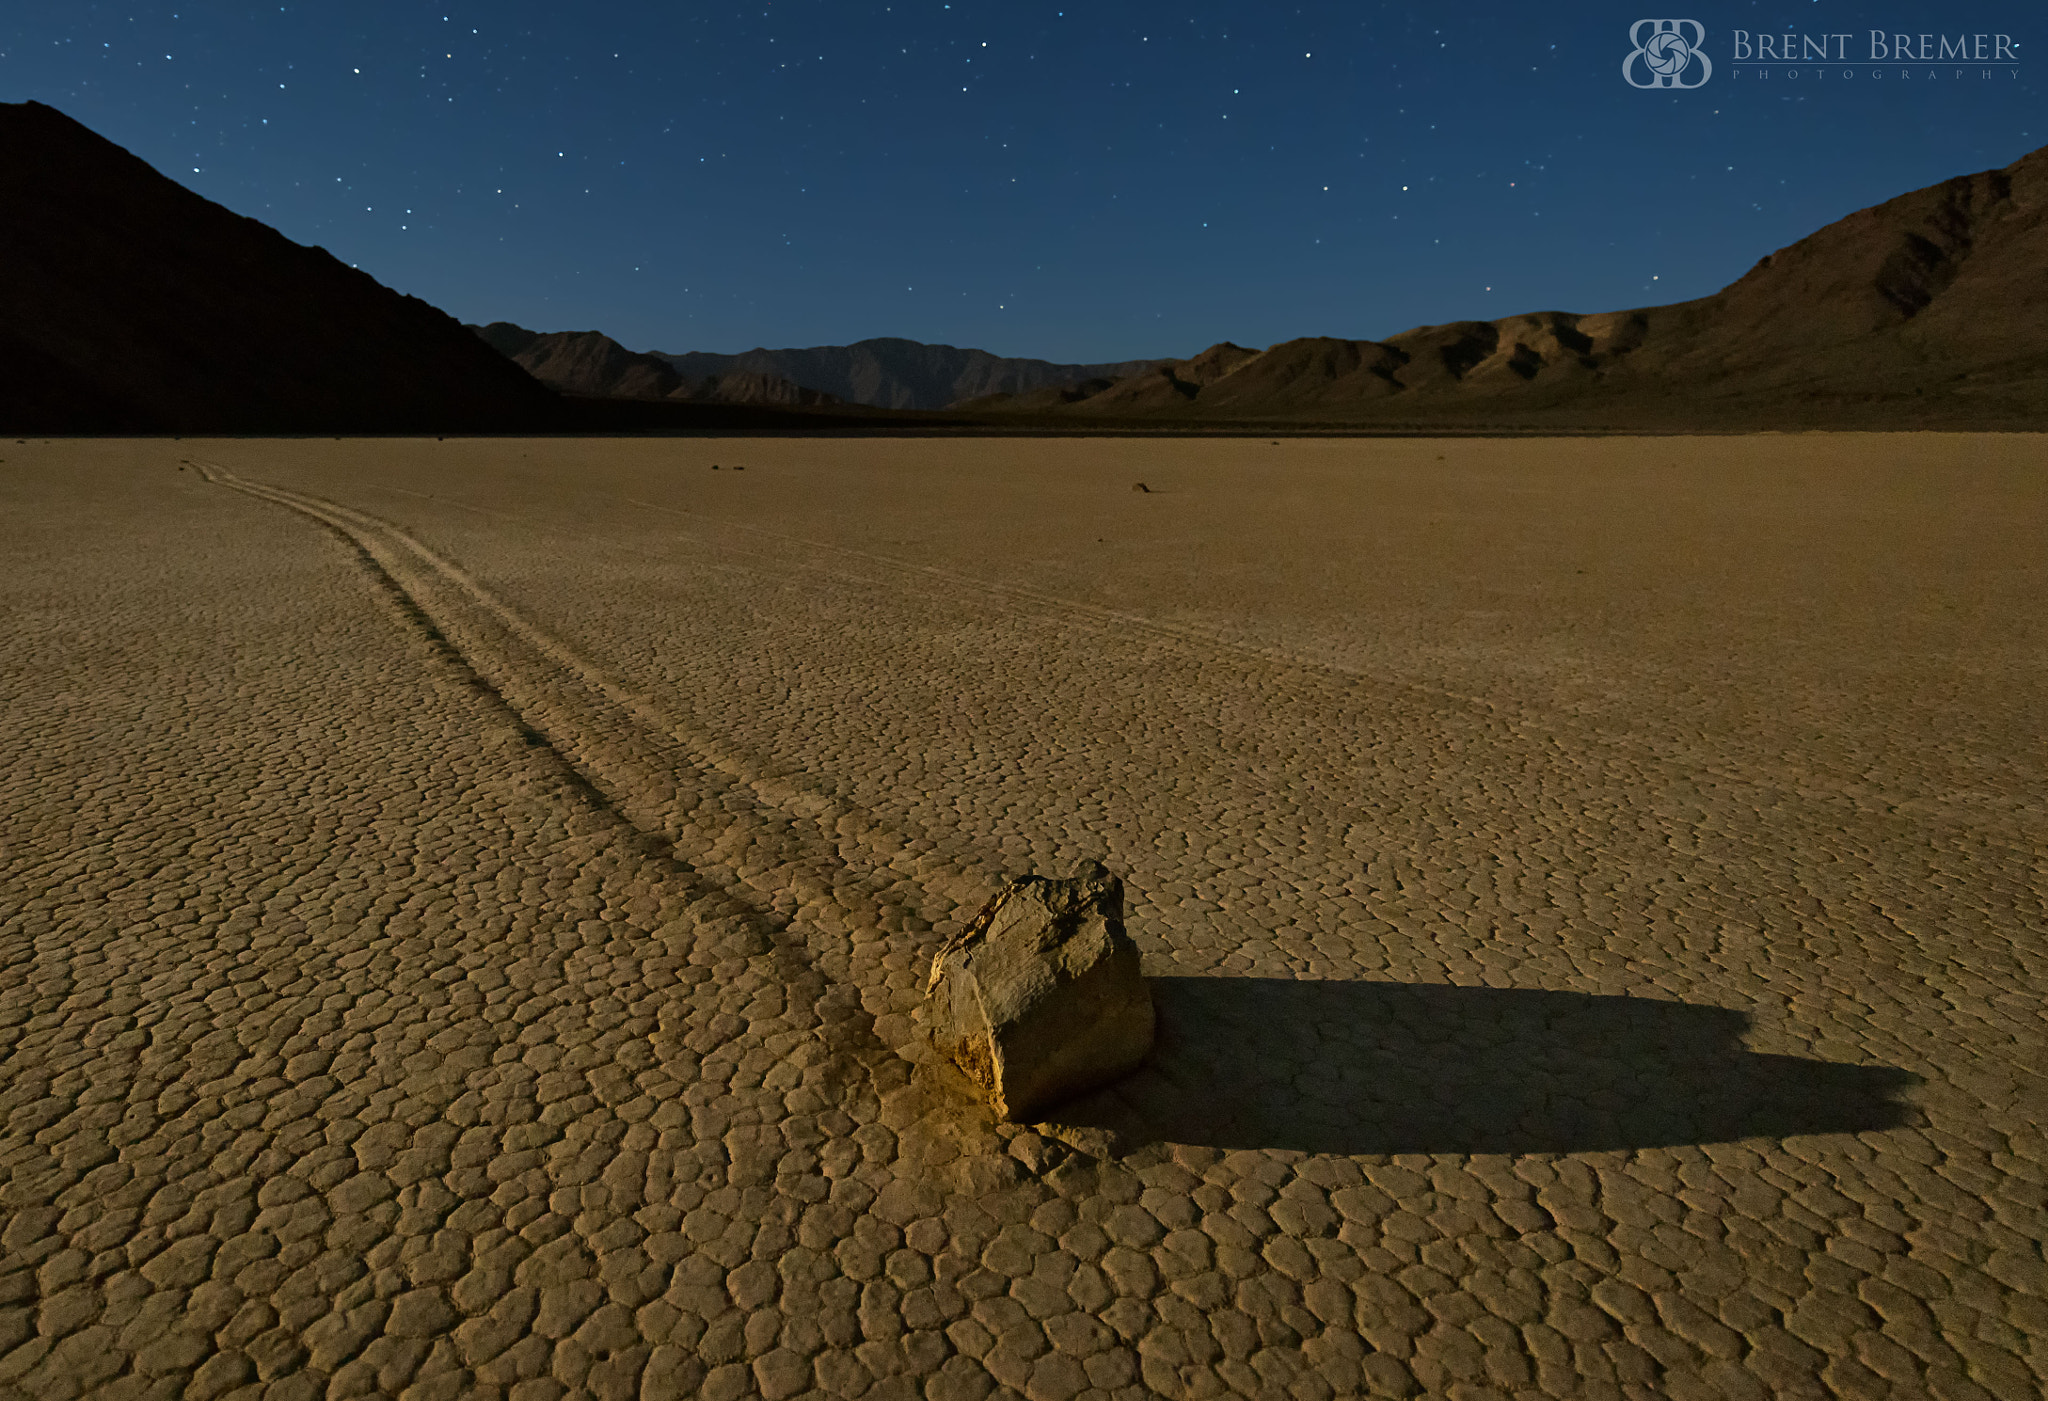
x=1084, y=183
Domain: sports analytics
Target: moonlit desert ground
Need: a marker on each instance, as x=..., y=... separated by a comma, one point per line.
x=461, y=904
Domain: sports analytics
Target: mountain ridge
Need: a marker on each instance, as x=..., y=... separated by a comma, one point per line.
x=891, y=372
x=1941, y=288
x=592, y=364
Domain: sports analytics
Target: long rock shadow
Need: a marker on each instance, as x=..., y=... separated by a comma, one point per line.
x=1381, y=1068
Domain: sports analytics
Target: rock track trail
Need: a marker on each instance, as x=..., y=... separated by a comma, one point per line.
x=801, y=860
x=466, y=949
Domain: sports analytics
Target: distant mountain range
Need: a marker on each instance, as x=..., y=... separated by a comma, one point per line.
x=1930, y=306
x=885, y=373
x=593, y=364
x=888, y=373
x=1927, y=308
x=130, y=304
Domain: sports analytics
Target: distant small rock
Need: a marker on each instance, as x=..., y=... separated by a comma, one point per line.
x=1140, y=486
x=1040, y=998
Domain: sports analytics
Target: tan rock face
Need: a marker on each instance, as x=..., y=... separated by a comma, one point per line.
x=1040, y=998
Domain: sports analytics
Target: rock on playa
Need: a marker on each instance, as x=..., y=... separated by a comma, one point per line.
x=1040, y=998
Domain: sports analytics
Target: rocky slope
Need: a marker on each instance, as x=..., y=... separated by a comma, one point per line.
x=133, y=304
x=1927, y=305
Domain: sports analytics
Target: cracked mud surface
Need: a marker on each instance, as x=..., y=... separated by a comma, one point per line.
x=461, y=903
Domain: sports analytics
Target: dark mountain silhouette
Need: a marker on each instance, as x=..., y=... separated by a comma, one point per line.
x=133, y=304
x=593, y=364
x=1927, y=308
x=899, y=374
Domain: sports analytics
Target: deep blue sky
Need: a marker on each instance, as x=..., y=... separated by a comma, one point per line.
x=1074, y=182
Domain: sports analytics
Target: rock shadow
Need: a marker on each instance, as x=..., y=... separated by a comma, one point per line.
x=1383, y=1068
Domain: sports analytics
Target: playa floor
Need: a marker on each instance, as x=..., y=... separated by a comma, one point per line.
x=461, y=906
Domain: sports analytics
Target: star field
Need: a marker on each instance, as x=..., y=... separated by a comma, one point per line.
x=1077, y=183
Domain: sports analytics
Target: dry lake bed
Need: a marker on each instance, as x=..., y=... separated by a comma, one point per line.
x=461, y=906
